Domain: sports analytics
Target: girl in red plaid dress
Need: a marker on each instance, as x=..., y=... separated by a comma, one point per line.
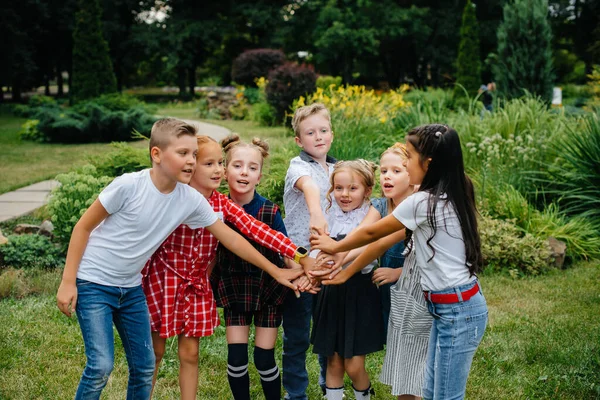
x=175, y=279
x=244, y=291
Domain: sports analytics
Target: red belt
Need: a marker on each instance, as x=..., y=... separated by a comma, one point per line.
x=449, y=298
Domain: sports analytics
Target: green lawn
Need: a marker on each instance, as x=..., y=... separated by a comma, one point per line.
x=543, y=342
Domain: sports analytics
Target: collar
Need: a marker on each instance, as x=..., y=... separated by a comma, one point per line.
x=304, y=156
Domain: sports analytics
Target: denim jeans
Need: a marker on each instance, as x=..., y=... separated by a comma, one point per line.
x=98, y=307
x=456, y=332
x=297, y=314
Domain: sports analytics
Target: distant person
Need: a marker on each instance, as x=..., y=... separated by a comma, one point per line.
x=487, y=97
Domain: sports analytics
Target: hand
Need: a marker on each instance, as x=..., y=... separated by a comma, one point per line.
x=321, y=241
x=305, y=284
x=331, y=261
x=381, y=276
x=337, y=277
x=286, y=276
x=66, y=298
x=307, y=263
x=318, y=222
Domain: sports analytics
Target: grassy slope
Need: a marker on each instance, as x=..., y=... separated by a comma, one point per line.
x=543, y=341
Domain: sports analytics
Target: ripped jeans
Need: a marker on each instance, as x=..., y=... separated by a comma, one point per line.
x=98, y=307
x=456, y=332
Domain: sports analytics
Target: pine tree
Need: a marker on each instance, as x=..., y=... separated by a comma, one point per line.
x=93, y=73
x=524, y=60
x=469, y=64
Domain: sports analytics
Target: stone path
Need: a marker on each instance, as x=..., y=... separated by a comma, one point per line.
x=27, y=199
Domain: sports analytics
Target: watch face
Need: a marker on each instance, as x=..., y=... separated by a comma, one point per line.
x=302, y=251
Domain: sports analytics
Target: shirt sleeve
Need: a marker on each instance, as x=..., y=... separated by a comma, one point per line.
x=297, y=170
x=259, y=231
x=115, y=195
x=412, y=212
x=203, y=215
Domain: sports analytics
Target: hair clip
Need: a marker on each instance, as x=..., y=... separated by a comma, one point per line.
x=438, y=134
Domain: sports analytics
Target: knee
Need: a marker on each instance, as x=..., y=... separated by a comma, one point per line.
x=354, y=368
x=188, y=355
x=264, y=359
x=237, y=354
x=335, y=366
x=159, y=354
x=100, y=370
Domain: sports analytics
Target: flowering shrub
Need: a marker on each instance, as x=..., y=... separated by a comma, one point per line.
x=358, y=101
x=287, y=83
x=253, y=64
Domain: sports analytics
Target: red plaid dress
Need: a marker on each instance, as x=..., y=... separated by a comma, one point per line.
x=175, y=280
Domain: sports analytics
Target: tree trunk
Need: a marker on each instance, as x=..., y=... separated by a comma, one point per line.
x=16, y=92
x=192, y=80
x=181, y=81
x=46, y=85
x=59, y=82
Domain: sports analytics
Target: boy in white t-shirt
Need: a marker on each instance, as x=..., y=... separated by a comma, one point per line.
x=111, y=243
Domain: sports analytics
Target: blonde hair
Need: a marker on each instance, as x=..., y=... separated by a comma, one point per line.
x=398, y=149
x=233, y=142
x=304, y=112
x=166, y=129
x=361, y=167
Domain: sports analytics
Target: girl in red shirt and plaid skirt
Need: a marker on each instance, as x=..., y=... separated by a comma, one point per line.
x=175, y=279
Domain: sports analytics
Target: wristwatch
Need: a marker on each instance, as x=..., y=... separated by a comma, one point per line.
x=301, y=252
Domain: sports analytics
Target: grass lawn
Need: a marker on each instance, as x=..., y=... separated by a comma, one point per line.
x=542, y=342
x=23, y=163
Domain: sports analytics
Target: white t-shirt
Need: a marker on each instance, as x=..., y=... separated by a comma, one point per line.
x=141, y=218
x=297, y=218
x=448, y=266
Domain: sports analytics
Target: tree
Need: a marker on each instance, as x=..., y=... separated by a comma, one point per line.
x=524, y=59
x=468, y=63
x=92, y=68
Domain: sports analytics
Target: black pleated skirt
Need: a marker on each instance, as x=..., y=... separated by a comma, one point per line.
x=347, y=319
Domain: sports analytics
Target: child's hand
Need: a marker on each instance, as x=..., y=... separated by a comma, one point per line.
x=318, y=222
x=321, y=241
x=66, y=298
x=286, y=277
x=337, y=277
x=330, y=261
x=381, y=276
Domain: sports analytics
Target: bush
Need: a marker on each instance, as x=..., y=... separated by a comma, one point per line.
x=30, y=251
x=76, y=192
x=325, y=81
x=29, y=131
x=262, y=113
x=105, y=119
x=505, y=247
x=287, y=83
x=253, y=64
x=122, y=159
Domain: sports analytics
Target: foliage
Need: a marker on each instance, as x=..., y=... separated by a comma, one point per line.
x=30, y=251
x=287, y=83
x=68, y=202
x=104, y=119
x=29, y=131
x=468, y=63
x=504, y=247
x=358, y=101
x=121, y=159
x=263, y=113
x=325, y=81
x=524, y=58
x=593, y=87
x=19, y=283
x=273, y=180
x=92, y=67
x=256, y=63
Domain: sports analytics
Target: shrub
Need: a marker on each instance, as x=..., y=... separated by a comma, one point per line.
x=468, y=63
x=121, y=159
x=253, y=64
x=273, y=180
x=30, y=251
x=262, y=113
x=325, y=81
x=505, y=247
x=29, y=131
x=76, y=192
x=287, y=83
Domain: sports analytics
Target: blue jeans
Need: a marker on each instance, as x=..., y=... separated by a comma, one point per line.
x=98, y=307
x=456, y=332
x=297, y=314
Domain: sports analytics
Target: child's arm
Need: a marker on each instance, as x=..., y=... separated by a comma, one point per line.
x=363, y=235
x=372, y=252
x=240, y=247
x=66, y=297
x=312, y=196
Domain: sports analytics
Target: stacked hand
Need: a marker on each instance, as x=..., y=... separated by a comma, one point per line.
x=321, y=241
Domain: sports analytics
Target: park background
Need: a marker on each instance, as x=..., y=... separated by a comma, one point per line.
x=83, y=81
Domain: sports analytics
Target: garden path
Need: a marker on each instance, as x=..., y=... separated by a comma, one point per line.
x=29, y=198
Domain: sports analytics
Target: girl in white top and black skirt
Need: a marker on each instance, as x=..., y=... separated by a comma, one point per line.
x=347, y=318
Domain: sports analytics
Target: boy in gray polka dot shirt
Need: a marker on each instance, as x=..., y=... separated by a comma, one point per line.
x=306, y=184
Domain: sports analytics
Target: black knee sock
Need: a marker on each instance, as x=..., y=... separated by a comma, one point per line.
x=270, y=379
x=237, y=370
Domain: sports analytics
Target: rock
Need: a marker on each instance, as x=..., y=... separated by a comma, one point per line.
x=559, y=250
x=46, y=228
x=26, y=228
x=3, y=239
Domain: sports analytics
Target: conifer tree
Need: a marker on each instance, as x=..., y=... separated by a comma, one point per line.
x=524, y=59
x=93, y=73
x=469, y=64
